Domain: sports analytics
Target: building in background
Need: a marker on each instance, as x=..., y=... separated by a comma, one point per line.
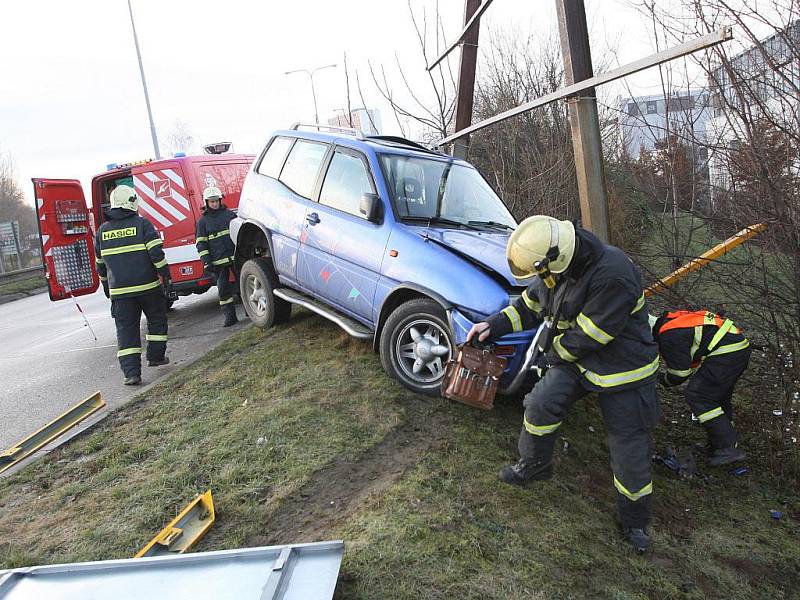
x=758, y=85
x=646, y=121
x=367, y=120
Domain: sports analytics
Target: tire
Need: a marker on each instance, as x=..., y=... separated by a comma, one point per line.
x=257, y=281
x=416, y=336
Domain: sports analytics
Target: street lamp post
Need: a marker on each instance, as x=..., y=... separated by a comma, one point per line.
x=310, y=74
x=144, y=85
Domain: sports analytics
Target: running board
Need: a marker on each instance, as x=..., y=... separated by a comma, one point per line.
x=351, y=326
x=58, y=426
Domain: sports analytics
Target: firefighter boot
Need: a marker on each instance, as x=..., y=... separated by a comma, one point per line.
x=133, y=380
x=723, y=438
x=537, y=467
x=157, y=362
x=637, y=538
x=229, y=310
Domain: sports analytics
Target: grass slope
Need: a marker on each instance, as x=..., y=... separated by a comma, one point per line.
x=302, y=438
x=35, y=283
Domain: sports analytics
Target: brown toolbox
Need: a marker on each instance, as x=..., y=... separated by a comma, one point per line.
x=473, y=376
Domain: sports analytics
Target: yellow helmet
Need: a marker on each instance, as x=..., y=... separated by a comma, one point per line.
x=531, y=241
x=212, y=192
x=124, y=196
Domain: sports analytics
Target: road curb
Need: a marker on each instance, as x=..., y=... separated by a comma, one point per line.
x=99, y=417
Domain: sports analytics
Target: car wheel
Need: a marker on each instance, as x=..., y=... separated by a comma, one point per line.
x=257, y=280
x=416, y=343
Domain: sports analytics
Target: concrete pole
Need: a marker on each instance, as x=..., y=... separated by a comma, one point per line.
x=583, y=119
x=144, y=85
x=466, y=79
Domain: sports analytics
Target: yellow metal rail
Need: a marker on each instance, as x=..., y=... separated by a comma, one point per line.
x=55, y=428
x=185, y=530
x=697, y=263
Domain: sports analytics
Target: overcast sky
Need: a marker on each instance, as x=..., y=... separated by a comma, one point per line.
x=71, y=97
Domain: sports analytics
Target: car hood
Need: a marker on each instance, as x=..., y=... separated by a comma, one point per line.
x=487, y=249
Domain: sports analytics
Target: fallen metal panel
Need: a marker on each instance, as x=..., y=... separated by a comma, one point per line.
x=291, y=572
x=697, y=263
x=185, y=530
x=55, y=428
x=667, y=55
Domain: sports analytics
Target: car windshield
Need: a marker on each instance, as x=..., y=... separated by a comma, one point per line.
x=450, y=193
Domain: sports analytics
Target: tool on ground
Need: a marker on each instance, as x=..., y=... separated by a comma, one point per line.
x=185, y=530
x=473, y=376
x=697, y=263
x=80, y=310
x=55, y=428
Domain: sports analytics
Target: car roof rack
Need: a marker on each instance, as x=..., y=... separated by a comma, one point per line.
x=350, y=130
x=396, y=140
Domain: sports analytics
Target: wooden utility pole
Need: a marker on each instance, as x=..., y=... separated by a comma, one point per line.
x=466, y=78
x=583, y=119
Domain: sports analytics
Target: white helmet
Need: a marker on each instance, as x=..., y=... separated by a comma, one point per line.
x=124, y=196
x=534, y=238
x=212, y=192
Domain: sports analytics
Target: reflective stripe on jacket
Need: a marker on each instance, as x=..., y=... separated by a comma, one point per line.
x=214, y=243
x=687, y=338
x=129, y=254
x=603, y=327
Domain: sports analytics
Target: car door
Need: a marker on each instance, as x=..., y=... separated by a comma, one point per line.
x=67, y=238
x=342, y=249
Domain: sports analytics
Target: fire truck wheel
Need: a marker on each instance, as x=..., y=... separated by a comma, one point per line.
x=416, y=343
x=257, y=280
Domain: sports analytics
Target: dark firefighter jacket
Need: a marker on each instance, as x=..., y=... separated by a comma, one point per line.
x=603, y=327
x=129, y=255
x=686, y=339
x=214, y=243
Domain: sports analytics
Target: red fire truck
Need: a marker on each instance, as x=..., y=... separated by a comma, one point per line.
x=170, y=195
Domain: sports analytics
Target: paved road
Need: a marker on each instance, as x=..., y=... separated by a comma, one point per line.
x=49, y=360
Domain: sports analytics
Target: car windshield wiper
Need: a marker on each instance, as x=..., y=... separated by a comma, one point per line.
x=492, y=224
x=440, y=220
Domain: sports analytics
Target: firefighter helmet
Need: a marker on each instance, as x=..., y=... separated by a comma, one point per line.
x=212, y=192
x=124, y=196
x=534, y=238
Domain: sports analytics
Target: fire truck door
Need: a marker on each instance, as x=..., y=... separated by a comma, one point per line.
x=67, y=238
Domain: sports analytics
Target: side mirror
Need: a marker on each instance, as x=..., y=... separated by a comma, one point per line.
x=370, y=207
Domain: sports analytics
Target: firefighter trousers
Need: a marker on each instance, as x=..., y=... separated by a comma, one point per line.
x=127, y=313
x=709, y=393
x=629, y=417
x=226, y=289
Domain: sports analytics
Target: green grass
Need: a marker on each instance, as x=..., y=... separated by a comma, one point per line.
x=302, y=438
x=35, y=283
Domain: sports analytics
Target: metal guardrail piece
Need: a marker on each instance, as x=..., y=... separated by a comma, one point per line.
x=705, y=41
x=185, y=530
x=55, y=428
x=698, y=263
x=291, y=572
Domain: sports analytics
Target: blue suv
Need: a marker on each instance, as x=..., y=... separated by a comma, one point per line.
x=391, y=241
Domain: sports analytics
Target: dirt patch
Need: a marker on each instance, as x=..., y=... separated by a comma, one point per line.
x=752, y=571
x=336, y=492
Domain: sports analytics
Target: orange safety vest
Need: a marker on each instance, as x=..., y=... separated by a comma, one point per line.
x=687, y=319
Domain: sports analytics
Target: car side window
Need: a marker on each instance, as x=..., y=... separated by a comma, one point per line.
x=275, y=156
x=346, y=181
x=301, y=168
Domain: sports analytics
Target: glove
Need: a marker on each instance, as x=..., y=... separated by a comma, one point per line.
x=540, y=364
x=167, y=288
x=209, y=270
x=664, y=380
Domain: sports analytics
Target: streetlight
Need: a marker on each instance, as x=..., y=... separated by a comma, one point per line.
x=144, y=85
x=313, y=91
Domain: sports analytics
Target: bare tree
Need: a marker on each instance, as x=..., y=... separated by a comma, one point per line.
x=180, y=139
x=13, y=207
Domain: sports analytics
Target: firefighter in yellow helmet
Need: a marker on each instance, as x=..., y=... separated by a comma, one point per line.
x=130, y=259
x=216, y=249
x=598, y=339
